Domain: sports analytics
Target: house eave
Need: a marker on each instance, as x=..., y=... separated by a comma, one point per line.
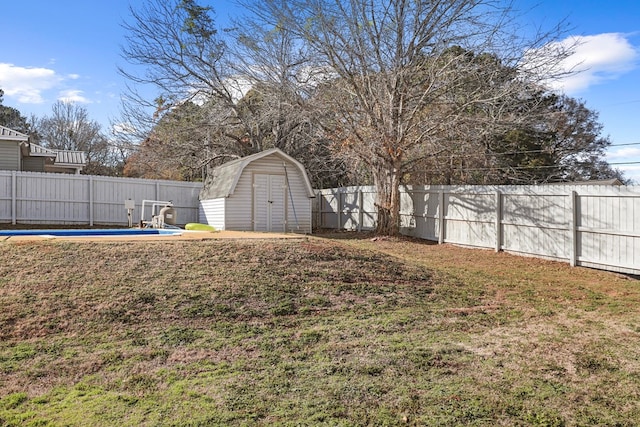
x=7, y=134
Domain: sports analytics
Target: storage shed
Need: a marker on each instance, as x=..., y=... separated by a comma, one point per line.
x=267, y=191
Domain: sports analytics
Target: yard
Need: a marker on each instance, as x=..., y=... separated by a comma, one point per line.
x=329, y=330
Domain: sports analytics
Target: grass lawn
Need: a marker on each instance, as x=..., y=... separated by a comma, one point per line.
x=331, y=330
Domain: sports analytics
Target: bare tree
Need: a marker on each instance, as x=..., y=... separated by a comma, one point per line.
x=176, y=58
x=278, y=109
x=175, y=51
x=70, y=128
x=400, y=89
x=217, y=98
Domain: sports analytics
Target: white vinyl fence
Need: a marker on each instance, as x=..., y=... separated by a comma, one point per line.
x=50, y=198
x=591, y=226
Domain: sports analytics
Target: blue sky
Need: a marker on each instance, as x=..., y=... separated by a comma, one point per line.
x=70, y=49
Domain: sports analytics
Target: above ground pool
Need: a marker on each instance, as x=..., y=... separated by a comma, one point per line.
x=93, y=232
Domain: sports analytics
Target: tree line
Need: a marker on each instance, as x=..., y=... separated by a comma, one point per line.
x=382, y=92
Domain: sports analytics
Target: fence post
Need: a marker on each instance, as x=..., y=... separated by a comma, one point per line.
x=339, y=209
x=318, y=207
x=360, y=209
x=91, y=201
x=573, y=229
x=14, y=204
x=498, y=220
x=441, y=223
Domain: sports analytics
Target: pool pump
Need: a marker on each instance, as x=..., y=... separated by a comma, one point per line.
x=166, y=216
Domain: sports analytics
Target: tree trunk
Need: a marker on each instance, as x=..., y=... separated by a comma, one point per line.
x=387, y=183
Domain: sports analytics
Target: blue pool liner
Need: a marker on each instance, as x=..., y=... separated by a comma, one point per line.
x=89, y=232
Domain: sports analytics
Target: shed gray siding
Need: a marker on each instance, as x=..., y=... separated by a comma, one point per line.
x=9, y=155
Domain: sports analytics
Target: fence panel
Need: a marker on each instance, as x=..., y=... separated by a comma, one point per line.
x=6, y=193
x=328, y=202
x=350, y=213
x=51, y=198
x=425, y=211
x=109, y=195
x=348, y=208
x=535, y=223
x=470, y=218
x=592, y=226
x=47, y=198
x=608, y=229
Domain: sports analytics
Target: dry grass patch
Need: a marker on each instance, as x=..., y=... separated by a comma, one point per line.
x=311, y=332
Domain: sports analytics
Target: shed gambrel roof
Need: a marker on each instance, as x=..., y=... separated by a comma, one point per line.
x=12, y=135
x=222, y=181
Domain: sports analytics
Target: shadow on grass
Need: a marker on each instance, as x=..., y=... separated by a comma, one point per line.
x=368, y=235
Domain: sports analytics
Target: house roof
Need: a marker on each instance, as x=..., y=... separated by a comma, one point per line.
x=12, y=135
x=70, y=158
x=613, y=181
x=35, y=150
x=62, y=158
x=222, y=181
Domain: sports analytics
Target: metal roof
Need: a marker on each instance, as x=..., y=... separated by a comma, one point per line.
x=612, y=181
x=70, y=158
x=63, y=158
x=10, y=134
x=36, y=150
x=222, y=181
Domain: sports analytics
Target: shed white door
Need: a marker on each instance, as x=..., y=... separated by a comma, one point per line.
x=269, y=199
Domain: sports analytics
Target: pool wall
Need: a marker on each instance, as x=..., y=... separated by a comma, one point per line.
x=90, y=232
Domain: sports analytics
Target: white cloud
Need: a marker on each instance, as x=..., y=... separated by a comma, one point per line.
x=621, y=159
x=26, y=84
x=73, y=95
x=595, y=59
x=123, y=128
x=631, y=172
x=623, y=154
